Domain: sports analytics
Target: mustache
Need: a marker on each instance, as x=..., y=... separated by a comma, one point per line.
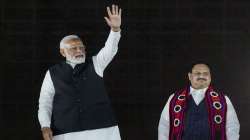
x=77, y=56
x=201, y=79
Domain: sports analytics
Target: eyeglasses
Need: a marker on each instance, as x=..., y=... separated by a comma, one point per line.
x=76, y=48
x=199, y=73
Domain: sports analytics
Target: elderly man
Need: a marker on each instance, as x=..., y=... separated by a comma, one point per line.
x=198, y=112
x=73, y=103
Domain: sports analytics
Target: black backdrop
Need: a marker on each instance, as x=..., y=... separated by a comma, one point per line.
x=160, y=38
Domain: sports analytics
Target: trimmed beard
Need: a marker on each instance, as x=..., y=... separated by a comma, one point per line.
x=73, y=59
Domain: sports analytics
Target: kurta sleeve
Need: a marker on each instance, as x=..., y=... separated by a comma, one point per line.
x=45, y=101
x=232, y=122
x=106, y=54
x=163, y=128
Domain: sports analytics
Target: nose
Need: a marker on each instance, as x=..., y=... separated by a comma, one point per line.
x=80, y=50
x=201, y=76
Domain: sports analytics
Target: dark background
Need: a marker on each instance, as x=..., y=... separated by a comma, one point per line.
x=160, y=38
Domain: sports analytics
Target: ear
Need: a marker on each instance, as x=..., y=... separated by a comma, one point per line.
x=62, y=52
x=189, y=76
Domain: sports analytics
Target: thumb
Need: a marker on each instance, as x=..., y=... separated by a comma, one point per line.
x=107, y=20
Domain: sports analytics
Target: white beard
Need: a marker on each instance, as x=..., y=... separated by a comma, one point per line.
x=75, y=60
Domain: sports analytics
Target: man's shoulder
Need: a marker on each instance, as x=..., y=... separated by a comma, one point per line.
x=56, y=66
x=218, y=91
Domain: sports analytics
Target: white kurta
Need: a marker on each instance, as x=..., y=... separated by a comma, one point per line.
x=232, y=122
x=100, y=61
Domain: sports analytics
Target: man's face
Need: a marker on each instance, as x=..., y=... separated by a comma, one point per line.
x=75, y=53
x=77, y=49
x=200, y=76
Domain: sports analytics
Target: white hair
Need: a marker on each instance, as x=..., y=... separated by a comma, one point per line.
x=63, y=43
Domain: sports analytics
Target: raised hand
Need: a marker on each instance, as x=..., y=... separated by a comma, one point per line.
x=114, y=18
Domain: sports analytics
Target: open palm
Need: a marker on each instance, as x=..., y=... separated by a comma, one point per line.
x=114, y=17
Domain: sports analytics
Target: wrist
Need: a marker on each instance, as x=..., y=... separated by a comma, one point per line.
x=115, y=29
x=45, y=128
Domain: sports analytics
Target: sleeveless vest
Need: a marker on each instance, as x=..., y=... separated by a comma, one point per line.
x=80, y=101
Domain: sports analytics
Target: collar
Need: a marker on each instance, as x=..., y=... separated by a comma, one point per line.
x=195, y=91
x=72, y=64
x=198, y=94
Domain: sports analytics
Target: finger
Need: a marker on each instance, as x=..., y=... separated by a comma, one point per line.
x=113, y=9
x=50, y=135
x=107, y=20
x=46, y=137
x=108, y=11
x=116, y=9
x=120, y=12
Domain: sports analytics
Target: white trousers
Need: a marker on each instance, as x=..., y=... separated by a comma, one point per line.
x=110, y=133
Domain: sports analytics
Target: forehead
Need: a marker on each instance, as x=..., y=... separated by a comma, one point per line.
x=201, y=68
x=74, y=42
